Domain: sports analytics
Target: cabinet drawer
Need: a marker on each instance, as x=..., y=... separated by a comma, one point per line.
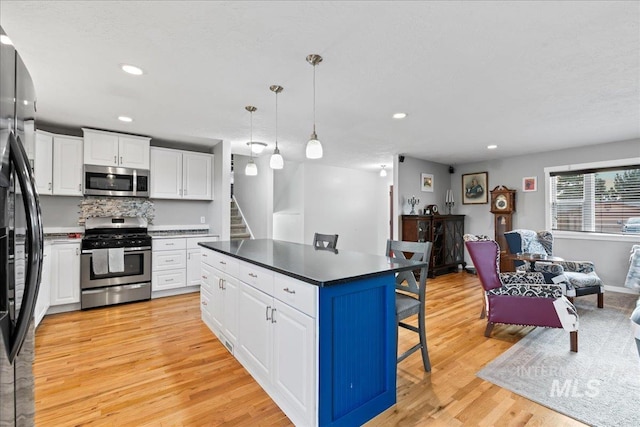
x=205, y=303
x=168, y=244
x=299, y=295
x=258, y=277
x=221, y=262
x=170, y=279
x=168, y=260
x=192, y=242
x=207, y=278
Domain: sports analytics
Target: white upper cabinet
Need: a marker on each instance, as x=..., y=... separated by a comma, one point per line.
x=114, y=149
x=177, y=174
x=67, y=156
x=43, y=162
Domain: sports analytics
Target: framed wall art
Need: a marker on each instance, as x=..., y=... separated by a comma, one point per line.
x=426, y=182
x=530, y=183
x=474, y=188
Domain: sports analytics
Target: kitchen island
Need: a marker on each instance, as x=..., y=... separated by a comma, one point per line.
x=316, y=328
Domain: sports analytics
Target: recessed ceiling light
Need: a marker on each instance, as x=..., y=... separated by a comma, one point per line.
x=125, y=119
x=132, y=69
x=492, y=147
x=399, y=115
x=4, y=39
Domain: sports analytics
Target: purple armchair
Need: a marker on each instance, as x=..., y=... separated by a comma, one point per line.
x=521, y=298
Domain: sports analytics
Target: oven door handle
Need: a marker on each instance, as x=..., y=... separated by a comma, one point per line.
x=114, y=288
x=126, y=250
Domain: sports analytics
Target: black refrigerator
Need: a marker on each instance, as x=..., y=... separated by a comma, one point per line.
x=20, y=240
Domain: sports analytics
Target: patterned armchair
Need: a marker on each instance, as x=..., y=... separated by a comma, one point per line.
x=579, y=277
x=633, y=282
x=520, y=298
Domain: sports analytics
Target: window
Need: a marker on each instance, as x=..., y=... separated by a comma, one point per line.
x=600, y=199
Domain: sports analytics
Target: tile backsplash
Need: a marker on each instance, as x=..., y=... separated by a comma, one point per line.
x=92, y=206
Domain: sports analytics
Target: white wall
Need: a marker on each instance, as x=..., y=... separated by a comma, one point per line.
x=351, y=203
x=288, y=203
x=254, y=195
x=408, y=175
x=610, y=256
x=219, y=211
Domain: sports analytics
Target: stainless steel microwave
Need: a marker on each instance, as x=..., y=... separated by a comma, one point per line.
x=112, y=181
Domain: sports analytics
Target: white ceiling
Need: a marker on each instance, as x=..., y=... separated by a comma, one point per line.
x=527, y=76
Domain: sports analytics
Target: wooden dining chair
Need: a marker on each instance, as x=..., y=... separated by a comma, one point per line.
x=325, y=241
x=411, y=294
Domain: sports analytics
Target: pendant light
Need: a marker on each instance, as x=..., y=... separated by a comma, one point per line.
x=251, y=169
x=276, y=161
x=383, y=171
x=314, y=147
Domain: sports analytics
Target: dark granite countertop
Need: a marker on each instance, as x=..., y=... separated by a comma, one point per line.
x=304, y=262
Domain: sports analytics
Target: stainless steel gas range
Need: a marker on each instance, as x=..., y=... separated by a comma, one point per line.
x=116, y=261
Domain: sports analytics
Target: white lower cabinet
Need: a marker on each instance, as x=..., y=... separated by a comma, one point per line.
x=65, y=273
x=193, y=261
x=175, y=262
x=44, y=291
x=221, y=289
x=168, y=263
x=272, y=321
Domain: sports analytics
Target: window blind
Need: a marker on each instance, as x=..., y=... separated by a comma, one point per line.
x=595, y=200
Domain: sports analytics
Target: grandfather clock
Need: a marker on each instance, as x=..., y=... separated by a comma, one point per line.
x=503, y=205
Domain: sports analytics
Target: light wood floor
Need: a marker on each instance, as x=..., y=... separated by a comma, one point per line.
x=156, y=364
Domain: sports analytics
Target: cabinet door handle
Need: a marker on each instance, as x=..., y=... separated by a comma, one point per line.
x=115, y=160
x=223, y=281
x=120, y=159
x=204, y=277
x=169, y=280
x=185, y=192
x=255, y=276
x=289, y=291
x=168, y=244
x=273, y=315
x=77, y=251
x=79, y=187
x=204, y=303
x=268, y=311
x=222, y=262
x=168, y=260
x=49, y=186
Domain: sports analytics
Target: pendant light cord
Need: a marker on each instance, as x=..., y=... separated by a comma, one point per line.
x=276, y=120
x=314, y=98
x=251, y=137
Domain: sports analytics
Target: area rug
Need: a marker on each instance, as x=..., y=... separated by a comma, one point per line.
x=599, y=385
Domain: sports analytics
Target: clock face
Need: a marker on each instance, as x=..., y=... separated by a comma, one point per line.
x=434, y=209
x=501, y=202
